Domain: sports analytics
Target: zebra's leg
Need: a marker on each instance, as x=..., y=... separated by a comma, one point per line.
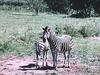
x=46, y=59
x=56, y=58
x=64, y=59
x=43, y=58
x=53, y=56
x=68, y=56
x=37, y=59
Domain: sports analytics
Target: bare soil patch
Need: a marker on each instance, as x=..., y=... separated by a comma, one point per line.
x=25, y=65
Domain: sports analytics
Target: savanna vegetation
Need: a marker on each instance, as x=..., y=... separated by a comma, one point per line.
x=21, y=23
x=19, y=31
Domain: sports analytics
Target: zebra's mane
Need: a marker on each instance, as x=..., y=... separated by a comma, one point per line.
x=52, y=31
x=53, y=34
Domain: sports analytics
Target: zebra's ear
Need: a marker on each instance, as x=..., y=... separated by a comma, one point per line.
x=43, y=28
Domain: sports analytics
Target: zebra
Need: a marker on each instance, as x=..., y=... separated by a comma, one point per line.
x=58, y=44
x=41, y=49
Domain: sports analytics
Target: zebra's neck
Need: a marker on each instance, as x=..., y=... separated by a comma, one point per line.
x=52, y=39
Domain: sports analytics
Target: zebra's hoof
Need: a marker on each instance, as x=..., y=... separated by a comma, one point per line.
x=64, y=66
x=37, y=67
x=68, y=67
x=55, y=68
x=47, y=65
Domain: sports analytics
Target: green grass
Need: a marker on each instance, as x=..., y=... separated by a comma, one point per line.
x=22, y=24
x=86, y=49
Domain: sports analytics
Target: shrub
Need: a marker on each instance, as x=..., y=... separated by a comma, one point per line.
x=5, y=46
x=71, y=31
x=83, y=31
x=87, y=31
x=58, y=30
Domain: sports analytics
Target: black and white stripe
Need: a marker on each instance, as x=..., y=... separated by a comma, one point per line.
x=60, y=44
x=41, y=49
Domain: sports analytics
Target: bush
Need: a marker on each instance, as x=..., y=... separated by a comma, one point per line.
x=78, y=15
x=87, y=31
x=71, y=31
x=58, y=30
x=67, y=29
x=58, y=6
x=5, y=46
x=82, y=31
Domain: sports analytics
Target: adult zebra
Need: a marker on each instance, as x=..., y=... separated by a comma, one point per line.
x=60, y=44
x=41, y=49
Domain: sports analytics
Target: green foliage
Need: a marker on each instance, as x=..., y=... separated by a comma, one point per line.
x=70, y=30
x=81, y=8
x=79, y=15
x=58, y=5
x=83, y=31
x=1, y=48
x=87, y=31
x=5, y=46
x=58, y=29
x=86, y=7
x=36, y=5
x=86, y=50
x=14, y=8
x=66, y=29
x=20, y=32
x=96, y=6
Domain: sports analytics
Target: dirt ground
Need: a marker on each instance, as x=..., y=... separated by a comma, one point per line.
x=25, y=65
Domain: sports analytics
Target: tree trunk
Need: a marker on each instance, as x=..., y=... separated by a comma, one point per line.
x=37, y=11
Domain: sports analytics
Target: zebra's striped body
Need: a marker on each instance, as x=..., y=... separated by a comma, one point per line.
x=41, y=49
x=58, y=44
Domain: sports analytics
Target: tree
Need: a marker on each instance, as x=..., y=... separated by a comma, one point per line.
x=61, y=6
x=96, y=6
x=36, y=5
x=83, y=7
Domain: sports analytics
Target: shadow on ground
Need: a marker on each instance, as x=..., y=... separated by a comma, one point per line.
x=33, y=67
x=45, y=68
x=28, y=66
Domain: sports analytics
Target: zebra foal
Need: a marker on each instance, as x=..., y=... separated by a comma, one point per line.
x=41, y=49
x=58, y=44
